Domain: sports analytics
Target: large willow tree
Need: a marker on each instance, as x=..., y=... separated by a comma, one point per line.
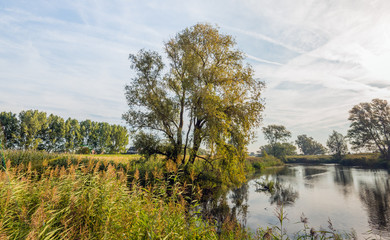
x=205, y=97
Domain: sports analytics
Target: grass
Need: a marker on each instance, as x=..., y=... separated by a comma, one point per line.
x=261, y=163
x=310, y=159
x=372, y=160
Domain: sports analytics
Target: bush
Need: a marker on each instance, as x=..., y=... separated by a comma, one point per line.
x=84, y=150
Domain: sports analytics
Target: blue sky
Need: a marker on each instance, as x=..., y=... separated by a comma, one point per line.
x=317, y=57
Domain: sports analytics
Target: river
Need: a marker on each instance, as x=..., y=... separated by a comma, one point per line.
x=354, y=199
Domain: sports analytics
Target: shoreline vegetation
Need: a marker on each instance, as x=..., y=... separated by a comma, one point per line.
x=73, y=196
x=365, y=160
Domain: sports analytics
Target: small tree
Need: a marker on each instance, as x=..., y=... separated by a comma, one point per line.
x=370, y=126
x=337, y=145
x=308, y=146
x=276, y=135
x=279, y=150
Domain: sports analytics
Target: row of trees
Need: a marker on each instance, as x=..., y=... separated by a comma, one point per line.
x=33, y=129
x=278, y=145
x=369, y=130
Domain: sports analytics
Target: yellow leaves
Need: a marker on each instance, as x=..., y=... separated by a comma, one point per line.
x=208, y=82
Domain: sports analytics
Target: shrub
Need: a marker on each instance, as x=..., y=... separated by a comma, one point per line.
x=84, y=150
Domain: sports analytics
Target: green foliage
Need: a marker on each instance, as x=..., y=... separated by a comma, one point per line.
x=87, y=130
x=313, y=159
x=2, y=158
x=119, y=139
x=33, y=130
x=372, y=160
x=337, y=145
x=147, y=144
x=9, y=129
x=54, y=137
x=260, y=163
x=104, y=140
x=277, y=135
x=72, y=135
x=32, y=126
x=279, y=150
x=308, y=146
x=370, y=126
x=208, y=97
x=84, y=150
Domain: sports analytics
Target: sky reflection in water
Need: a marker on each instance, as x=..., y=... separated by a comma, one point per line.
x=352, y=198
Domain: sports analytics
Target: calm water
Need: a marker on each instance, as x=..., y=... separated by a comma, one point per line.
x=352, y=198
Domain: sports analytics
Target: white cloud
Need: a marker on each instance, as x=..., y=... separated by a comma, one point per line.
x=319, y=58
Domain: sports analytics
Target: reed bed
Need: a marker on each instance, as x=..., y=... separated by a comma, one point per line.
x=83, y=202
x=115, y=158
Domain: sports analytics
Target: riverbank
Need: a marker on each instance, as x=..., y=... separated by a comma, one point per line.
x=367, y=160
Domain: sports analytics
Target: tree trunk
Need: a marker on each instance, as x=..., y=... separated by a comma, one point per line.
x=196, y=143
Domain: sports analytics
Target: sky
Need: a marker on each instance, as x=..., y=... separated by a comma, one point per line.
x=318, y=58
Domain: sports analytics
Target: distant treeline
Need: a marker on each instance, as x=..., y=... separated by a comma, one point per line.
x=33, y=129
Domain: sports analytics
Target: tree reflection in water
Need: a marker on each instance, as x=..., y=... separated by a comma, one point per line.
x=343, y=178
x=239, y=199
x=216, y=206
x=280, y=194
x=376, y=198
x=313, y=173
x=284, y=196
x=367, y=188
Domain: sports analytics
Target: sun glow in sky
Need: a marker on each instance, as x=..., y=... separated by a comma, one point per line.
x=318, y=58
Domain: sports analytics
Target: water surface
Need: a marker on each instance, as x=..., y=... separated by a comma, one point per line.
x=352, y=198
